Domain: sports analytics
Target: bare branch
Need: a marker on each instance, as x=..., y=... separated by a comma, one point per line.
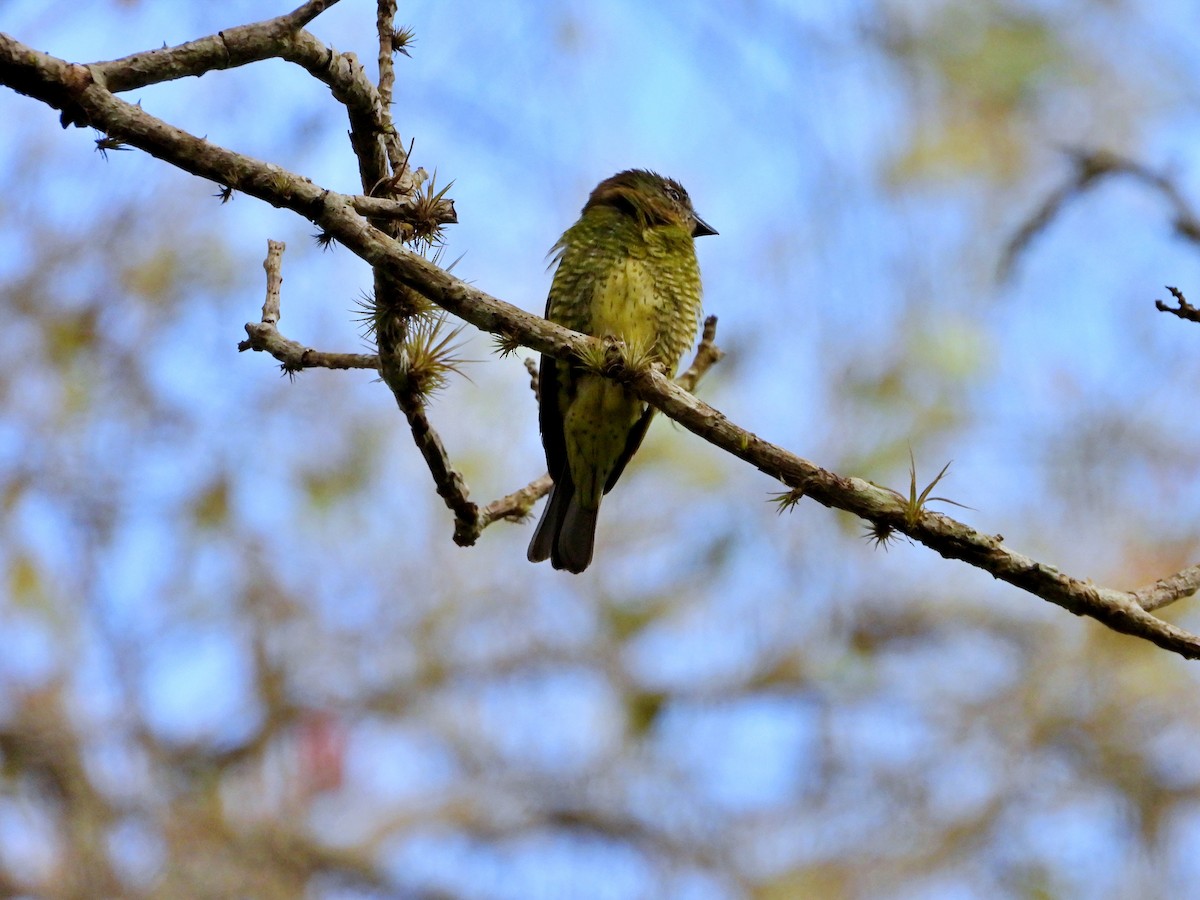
x=707, y=355
x=1167, y=590
x=515, y=507
x=292, y=355
x=273, y=265
x=305, y=13
x=376, y=147
x=284, y=38
x=233, y=47
x=385, y=18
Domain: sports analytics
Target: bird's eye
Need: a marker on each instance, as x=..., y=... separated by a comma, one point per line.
x=674, y=194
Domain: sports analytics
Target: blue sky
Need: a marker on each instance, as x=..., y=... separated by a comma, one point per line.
x=783, y=122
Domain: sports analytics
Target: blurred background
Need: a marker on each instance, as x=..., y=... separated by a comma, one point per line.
x=240, y=655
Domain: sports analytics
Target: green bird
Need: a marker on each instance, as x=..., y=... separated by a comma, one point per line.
x=627, y=269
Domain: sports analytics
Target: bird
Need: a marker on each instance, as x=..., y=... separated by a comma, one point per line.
x=626, y=270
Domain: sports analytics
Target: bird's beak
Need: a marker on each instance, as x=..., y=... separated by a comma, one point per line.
x=701, y=228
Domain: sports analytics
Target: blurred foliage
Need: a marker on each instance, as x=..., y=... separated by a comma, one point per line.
x=242, y=657
x=984, y=66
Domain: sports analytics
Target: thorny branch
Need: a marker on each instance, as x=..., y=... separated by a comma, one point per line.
x=403, y=208
x=84, y=98
x=383, y=167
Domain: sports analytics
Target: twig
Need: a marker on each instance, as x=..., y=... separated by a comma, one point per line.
x=273, y=265
x=293, y=356
x=385, y=20
x=305, y=13
x=708, y=354
x=1185, y=310
x=515, y=507
x=385, y=17
x=532, y=368
x=1167, y=590
x=403, y=208
x=449, y=482
x=376, y=147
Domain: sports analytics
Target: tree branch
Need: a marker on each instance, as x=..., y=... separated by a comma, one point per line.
x=228, y=49
x=383, y=168
x=385, y=16
x=67, y=86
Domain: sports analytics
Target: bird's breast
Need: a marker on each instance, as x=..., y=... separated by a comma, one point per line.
x=628, y=306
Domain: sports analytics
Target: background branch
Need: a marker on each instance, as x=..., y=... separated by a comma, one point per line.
x=1089, y=168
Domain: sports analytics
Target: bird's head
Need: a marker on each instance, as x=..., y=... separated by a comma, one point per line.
x=650, y=197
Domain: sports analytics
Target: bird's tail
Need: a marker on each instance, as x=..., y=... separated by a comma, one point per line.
x=567, y=531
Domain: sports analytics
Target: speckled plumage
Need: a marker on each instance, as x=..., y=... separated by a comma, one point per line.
x=626, y=269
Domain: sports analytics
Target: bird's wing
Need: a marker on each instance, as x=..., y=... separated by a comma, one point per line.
x=632, y=441
x=550, y=417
